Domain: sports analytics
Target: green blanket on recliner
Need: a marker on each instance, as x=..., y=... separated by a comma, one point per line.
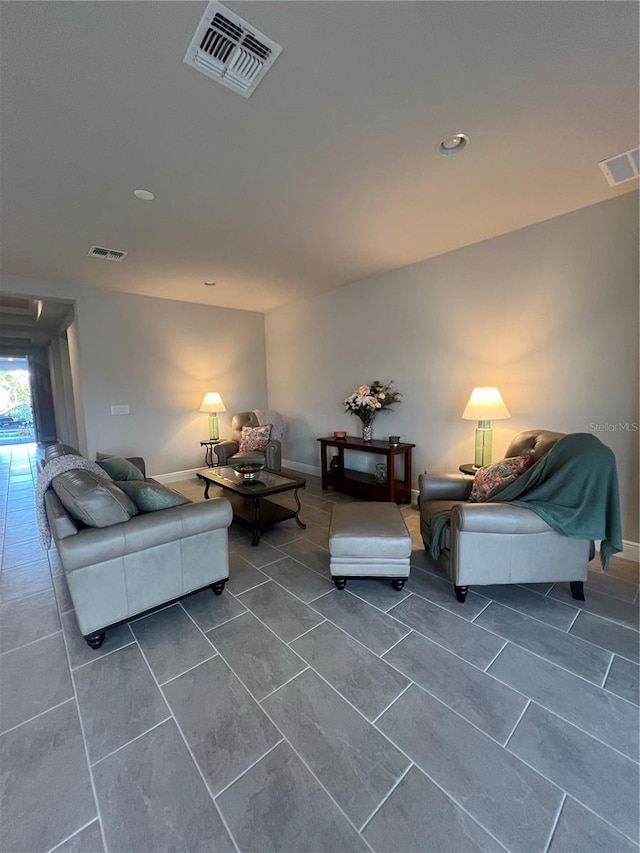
x=574, y=488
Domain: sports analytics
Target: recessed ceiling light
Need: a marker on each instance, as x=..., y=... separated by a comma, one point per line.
x=145, y=195
x=209, y=284
x=453, y=144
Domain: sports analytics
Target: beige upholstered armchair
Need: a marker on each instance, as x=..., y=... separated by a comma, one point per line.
x=228, y=452
x=500, y=543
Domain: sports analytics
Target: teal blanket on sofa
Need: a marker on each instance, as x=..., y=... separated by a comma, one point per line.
x=574, y=488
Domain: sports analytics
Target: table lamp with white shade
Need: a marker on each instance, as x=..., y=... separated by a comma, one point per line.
x=213, y=404
x=485, y=405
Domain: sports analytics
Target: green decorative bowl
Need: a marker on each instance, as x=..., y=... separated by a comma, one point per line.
x=249, y=471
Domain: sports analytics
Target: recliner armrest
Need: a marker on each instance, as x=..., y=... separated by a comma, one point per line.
x=225, y=449
x=273, y=455
x=444, y=487
x=496, y=518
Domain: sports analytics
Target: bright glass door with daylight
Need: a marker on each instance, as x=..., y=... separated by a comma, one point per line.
x=16, y=408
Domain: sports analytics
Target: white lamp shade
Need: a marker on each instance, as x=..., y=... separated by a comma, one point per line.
x=485, y=404
x=212, y=402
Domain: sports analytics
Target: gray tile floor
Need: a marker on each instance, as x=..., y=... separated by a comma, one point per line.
x=286, y=715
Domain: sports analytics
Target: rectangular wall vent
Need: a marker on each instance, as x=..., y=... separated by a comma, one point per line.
x=228, y=49
x=106, y=254
x=622, y=167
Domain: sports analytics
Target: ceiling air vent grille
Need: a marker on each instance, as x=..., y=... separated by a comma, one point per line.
x=622, y=167
x=106, y=254
x=228, y=49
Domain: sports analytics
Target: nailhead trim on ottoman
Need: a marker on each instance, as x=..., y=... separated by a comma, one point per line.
x=368, y=540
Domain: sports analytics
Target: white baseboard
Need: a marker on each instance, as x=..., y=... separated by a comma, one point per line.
x=175, y=475
x=313, y=470
x=630, y=551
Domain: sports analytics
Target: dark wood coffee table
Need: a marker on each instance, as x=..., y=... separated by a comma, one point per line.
x=251, y=509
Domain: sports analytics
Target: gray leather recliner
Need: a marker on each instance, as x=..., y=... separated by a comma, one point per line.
x=499, y=543
x=228, y=452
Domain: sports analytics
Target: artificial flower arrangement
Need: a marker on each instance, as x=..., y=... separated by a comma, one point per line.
x=367, y=400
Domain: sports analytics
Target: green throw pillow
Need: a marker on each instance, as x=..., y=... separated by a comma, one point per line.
x=120, y=469
x=149, y=495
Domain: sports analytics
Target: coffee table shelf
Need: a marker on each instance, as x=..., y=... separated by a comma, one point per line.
x=251, y=508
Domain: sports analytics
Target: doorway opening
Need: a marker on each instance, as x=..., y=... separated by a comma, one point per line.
x=16, y=407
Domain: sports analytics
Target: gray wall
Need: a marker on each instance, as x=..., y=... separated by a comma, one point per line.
x=159, y=357
x=549, y=314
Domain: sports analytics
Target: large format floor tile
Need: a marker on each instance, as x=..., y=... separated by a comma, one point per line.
x=608, y=635
x=459, y=636
x=171, y=642
x=419, y=816
x=260, y=660
x=28, y=619
x=285, y=614
x=580, y=831
x=624, y=680
x=45, y=786
x=361, y=677
x=353, y=761
x=563, y=649
x=225, y=728
x=364, y=623
x=152, y=798
x=580, y=765
x=278, y=806
x=607, y=606
x=49, y=681
x=604, y=716
x=294, y=576
x=118, y=699
x=469, y=691
x=509, y=799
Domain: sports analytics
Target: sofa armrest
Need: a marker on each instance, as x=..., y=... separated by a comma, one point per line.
x=496, y=518
x=224, y=450
x=443, y=487
x=273, y=455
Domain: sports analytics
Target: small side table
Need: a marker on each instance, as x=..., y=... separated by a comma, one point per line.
x=208, y=454
x=468, y=468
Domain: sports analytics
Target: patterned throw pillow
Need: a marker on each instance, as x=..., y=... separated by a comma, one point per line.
x=493, y=477
x=255, y=438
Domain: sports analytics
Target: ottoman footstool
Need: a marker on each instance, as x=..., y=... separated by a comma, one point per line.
x=368, y=540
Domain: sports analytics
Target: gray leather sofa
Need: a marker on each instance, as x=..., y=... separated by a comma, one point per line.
x=228, y=452
x=498, y=543
x=120, y=562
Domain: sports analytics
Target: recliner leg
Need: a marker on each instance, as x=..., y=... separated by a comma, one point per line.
x=461, y=593
x=577, y=590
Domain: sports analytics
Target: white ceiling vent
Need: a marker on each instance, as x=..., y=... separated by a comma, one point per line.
x=228, y=49
x=106, y=254
x=622, y=167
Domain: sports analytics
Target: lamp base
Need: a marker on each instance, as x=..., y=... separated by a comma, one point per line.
x=214, y=434
x=484, y=444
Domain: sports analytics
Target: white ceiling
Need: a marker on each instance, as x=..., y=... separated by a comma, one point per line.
x=330, y=171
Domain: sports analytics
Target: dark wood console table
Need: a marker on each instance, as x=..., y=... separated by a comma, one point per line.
x=360, y=483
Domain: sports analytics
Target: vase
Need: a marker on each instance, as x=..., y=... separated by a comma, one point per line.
x=367, y=432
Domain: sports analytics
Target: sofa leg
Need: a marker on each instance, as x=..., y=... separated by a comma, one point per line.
x=340, y=582
x=577, y=590
x=96, y=639
x=398, y=583
x=218, y=586
x=461, y=593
